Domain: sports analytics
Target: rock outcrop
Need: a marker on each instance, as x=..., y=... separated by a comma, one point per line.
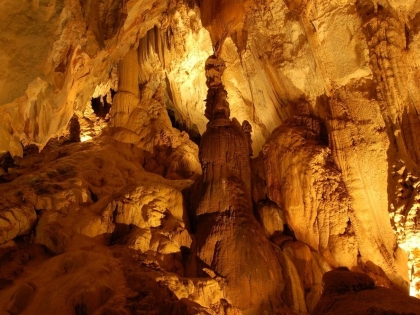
x=101, y=114
x=229, y=239
x=97, y=215
x=347, y=292
x=139, y=117
x=302, y=179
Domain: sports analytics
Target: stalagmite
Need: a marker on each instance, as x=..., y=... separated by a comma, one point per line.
x=229, y=239
x=297, y=191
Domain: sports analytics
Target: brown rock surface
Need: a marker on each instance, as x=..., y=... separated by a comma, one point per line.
x=93, y=279
x=327, y=93
x=299, y=169
x=271, y=218
x=229, y=239
x=348, y=292
x=80, y=207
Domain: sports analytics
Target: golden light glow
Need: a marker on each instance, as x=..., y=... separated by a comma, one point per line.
x=85, y=138
x=411, y=247
x=414, y=272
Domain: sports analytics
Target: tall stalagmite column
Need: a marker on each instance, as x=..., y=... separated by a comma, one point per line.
x=229, y=239
x=127, y=98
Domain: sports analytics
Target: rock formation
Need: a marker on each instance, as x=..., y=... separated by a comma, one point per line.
x=229, y=239
x=347, y=292
x=109, y=206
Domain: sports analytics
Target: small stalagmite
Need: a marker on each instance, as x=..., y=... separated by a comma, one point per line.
x=229, y=239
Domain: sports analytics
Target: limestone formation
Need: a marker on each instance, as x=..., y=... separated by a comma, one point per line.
x=299, y=169
x=109, y=206
x=347, y=292
x=168, y=152
x=82, y=196
x=229, y=239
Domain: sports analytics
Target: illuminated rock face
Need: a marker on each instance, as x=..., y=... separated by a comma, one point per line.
x=229, y=239
x=329, y=90
x=299, y=168
x=139, y=117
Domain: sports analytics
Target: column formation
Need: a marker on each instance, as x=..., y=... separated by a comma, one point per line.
x=229, y=239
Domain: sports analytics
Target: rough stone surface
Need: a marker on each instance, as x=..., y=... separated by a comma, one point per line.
x=347, y=292
x=299, y=169
x=229, y=239
x=271, y=218
x=325, y=95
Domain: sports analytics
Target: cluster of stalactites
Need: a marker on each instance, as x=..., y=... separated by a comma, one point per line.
x=216, y=102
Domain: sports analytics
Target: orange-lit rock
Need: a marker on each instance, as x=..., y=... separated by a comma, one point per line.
x=223, y=18
x=139, y=117
x=325, y=96
x=299, y=169
x=348, y=292
x=229, y=239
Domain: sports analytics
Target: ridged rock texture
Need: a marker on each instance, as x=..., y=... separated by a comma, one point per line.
x=229, y=239
x=209, y=157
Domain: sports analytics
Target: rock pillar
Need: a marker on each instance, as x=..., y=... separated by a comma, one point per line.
x=229, y=239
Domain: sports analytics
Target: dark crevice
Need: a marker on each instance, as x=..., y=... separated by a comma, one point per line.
x=365, y=8
x=6, y=161
x=407, y=37
x=30, y=149
x=323, y=134
x=100, y=105
x=181, y=126
x=80, y=309
x=93, y=196
x=287, y=230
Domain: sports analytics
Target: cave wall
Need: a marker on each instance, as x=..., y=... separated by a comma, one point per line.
x=329, y=90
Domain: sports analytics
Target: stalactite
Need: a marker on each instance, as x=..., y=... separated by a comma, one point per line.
x=154, y=42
